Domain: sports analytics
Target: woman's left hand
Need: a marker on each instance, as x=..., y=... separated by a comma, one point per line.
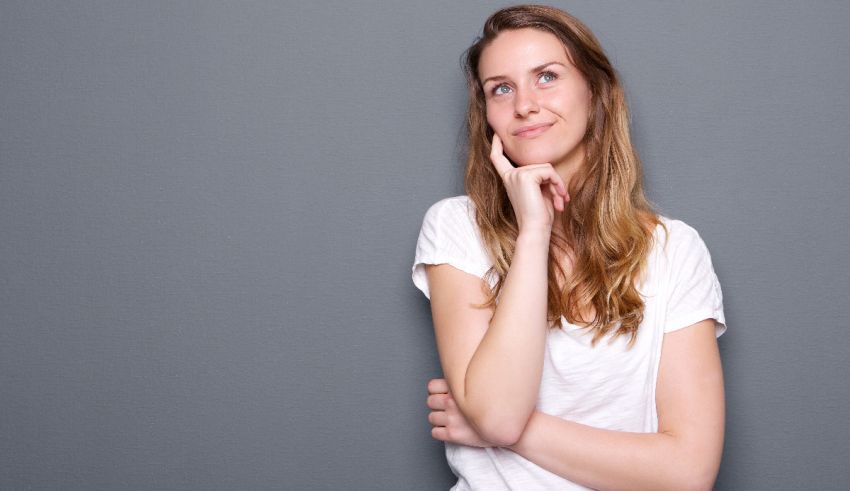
x=449, y=424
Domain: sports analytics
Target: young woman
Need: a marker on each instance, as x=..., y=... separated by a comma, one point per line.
x=576, y=327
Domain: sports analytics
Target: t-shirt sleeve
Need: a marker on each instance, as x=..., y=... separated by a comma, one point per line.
x=448, y=236
x=694, y=291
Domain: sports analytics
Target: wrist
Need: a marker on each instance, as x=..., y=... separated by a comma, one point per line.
x=533, y=238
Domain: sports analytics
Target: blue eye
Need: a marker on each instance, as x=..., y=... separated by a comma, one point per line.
x=547, y=77
x=501, y=89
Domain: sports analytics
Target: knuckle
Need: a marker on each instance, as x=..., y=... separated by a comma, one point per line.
x=454, y=434
x=527, y=176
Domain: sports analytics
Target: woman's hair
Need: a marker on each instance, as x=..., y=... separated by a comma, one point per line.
x=608, y=222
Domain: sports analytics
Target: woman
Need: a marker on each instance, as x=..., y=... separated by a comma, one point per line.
x=576, y=327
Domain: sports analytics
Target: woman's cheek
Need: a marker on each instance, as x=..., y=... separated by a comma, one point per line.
x=496, y=120
x=514, y=154
x=492, y=125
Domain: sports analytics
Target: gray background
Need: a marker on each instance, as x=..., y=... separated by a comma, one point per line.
x=208, y=212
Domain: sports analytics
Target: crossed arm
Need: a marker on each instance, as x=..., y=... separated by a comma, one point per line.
x=477, y=403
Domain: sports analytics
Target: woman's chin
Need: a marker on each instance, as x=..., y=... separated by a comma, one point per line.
x=543, y=155
x=530, y=159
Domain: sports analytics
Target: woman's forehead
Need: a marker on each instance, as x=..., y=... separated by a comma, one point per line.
x=520, y=50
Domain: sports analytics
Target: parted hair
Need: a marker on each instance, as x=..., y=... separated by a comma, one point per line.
x=608, y=222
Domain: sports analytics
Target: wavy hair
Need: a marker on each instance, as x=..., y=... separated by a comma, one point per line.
x=608, y=222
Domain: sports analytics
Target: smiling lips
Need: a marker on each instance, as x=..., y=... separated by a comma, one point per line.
x=533, y=130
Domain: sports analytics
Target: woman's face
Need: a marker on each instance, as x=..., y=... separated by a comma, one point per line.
x=537, y=100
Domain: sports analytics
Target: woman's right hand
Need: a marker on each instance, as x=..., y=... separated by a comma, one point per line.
x=449, y=424
x=535, y=191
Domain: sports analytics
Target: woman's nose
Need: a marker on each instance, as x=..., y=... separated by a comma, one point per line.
x=525, y=103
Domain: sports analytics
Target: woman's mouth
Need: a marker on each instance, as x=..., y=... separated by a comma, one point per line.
x=532, y=130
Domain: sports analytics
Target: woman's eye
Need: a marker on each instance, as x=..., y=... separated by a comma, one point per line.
x=547, y=77
x=501, y=89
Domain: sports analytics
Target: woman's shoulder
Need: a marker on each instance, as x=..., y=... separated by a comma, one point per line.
x=452, y=206
x=456, y=212
x=449, y=235
x=684, y=268
x=672, y=234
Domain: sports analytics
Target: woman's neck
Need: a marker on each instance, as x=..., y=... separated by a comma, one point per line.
x=568, y=168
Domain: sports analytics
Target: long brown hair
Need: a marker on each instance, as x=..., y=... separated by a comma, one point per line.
x=608, y=222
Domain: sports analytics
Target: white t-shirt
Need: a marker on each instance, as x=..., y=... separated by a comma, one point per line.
x=606, y=386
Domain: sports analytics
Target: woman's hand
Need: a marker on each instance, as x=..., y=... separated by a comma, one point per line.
x=449, y=424
x=535, y=191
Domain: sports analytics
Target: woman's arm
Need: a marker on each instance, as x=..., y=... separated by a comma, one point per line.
x=493, y=365
x=493, y=370
x=684, y=454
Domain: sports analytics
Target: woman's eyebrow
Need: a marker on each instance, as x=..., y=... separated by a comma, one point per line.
x=535, y=69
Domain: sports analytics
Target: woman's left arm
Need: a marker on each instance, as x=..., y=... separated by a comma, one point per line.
x=685, y=452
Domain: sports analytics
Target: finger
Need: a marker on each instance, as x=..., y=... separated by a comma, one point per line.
x=497, y=156
x=547, y=172
x=553, y=189
x=438, y=401
x=438, y=418
x=440, y=433
x=562, y=202
x=540, y=173
x=557, y=199
x=438, y=386
x=560, y=187
x=450, y=402
x=563, y=189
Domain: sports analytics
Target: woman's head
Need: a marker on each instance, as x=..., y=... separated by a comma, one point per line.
x=509, y=38
x=539, y=78
x=535, y=99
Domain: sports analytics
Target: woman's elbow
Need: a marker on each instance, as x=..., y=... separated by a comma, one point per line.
x=703, y=477
x=501, y=437
x=695, y=484
x=500, y=422
x=499, y=429
x=698, y=475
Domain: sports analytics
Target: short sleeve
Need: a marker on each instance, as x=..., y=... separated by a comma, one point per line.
x=449, y=236
x=694, y=291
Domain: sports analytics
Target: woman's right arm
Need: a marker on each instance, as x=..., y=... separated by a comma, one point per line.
x=493, y=364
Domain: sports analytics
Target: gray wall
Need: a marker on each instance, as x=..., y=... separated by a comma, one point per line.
x=208, y=212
